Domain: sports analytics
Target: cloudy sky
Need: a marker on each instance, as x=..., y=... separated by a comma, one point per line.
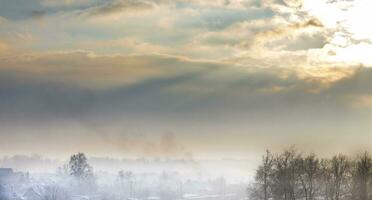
x=181, y=78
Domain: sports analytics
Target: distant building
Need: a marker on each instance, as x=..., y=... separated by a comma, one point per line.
x=9, y=177
x=6, y=172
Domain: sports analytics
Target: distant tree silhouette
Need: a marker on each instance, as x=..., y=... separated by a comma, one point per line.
x=293, y=176
x=308, y=172
x=362, y=175
x=264, y=173
x=79, y=167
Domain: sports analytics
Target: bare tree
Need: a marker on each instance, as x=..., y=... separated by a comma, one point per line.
x=284, y=186
x=340, y=167
x=264, y=173
x=361, y=176
x=291, y=176
x=326, y=179
x=308, y=172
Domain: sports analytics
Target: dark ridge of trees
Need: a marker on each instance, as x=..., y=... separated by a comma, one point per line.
x=295, y=176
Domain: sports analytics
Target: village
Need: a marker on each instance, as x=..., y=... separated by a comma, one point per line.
x=65, y=184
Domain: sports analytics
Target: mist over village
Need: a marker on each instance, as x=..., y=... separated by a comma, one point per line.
x=185, y=99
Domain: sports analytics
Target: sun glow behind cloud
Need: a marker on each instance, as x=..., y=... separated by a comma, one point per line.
x=348, y=20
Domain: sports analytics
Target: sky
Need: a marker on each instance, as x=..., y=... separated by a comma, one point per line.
x=184, y=78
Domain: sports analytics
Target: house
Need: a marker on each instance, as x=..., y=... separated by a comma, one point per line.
x=8, y=176
x=6, y=172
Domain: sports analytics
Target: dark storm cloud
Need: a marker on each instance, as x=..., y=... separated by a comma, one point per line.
x=38, y=15
x=19, y=9
x=32, y=99
x=30, y=9
x=26, y=9
x=195, y=88
x=119, y=6
x=221, y=18
x=358, y=84
x=43, y=103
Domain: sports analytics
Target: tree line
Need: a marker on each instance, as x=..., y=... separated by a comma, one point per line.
x=291, y=175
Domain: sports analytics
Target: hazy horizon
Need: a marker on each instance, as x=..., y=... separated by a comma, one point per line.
x=208, y=79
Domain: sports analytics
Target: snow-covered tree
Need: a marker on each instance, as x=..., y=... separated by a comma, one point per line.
x=79, y=167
